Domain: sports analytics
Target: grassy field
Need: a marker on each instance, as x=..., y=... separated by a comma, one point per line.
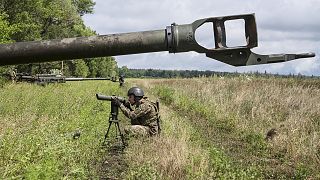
x=212, y=128
x=38, y=124
x=220, y=128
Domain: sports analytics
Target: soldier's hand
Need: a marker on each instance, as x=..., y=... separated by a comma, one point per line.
x=126, y=103
x=116, y=101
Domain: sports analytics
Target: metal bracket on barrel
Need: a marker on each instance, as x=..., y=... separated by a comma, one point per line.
x=181, y=38
x=170, y=38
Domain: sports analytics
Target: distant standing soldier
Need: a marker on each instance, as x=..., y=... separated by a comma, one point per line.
x=142, y=113
x=121, y=80
x=13, y=75
x=113, y=79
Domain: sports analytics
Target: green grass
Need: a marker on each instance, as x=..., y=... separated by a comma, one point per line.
x=37, y=127
x=212, y=128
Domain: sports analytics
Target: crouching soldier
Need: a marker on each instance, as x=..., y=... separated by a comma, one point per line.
x=144, y=114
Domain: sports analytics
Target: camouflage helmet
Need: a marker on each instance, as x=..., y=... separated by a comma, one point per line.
x=137, y=92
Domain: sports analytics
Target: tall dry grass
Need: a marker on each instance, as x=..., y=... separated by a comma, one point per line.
x=236, y=113
x=180, y=152
x=168, y=156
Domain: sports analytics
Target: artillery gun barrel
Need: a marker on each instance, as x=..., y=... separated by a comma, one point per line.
x=174, y=38
x=82, y=47
x=41, y=79
x=85, y=79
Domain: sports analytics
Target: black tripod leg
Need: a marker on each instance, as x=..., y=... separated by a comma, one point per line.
x=121, y=135
x=106, y=135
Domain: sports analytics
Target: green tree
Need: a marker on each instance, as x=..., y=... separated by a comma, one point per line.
x=26, y=20
x=93, y=67
x=81, y=69
x=6, y=29
x=46, y=19
x=84, y=6
x=106, y=67
x=124, y=70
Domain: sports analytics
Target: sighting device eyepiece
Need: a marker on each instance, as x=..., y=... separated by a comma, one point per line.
x=109, y=98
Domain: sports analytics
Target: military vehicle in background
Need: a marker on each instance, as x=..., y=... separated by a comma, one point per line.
x=43, y=79
x=174, y=38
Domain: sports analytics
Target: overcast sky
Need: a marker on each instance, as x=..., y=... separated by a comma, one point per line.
x=284, y=26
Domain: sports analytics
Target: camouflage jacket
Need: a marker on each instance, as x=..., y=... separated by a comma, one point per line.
x=142, y=113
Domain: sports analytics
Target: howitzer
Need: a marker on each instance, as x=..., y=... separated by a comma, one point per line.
x=41, y=79
x=113, y=117
x=85, y=79
x=51, y=78
x=174, y=38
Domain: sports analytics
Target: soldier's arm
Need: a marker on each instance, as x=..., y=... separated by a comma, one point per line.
x=138, y=112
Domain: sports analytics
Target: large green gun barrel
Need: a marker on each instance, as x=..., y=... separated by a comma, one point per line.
x=85, y=79
x=52, y=78
x=174, y=38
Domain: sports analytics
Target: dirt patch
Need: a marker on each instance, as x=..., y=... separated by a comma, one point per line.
x=113, y=164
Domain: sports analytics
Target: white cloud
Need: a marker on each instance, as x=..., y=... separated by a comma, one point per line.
x=287, y=26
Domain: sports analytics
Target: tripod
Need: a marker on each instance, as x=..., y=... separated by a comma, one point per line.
x=113, y=119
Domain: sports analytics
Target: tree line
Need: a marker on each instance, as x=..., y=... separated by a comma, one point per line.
x=158, y=73
x=29, y=20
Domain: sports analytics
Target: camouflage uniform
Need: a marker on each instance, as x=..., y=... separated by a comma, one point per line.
x=143, y=117
x=121, y=80
x=13, y=76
